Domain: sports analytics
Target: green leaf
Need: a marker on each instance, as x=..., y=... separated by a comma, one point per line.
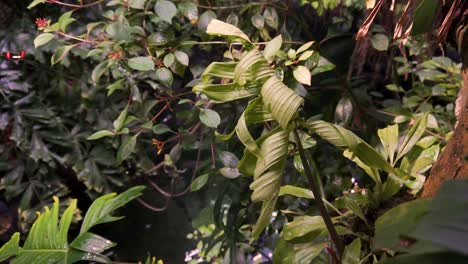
x=164, y=75
x=412, y=137
x=296, y=191
x=43, y=39
x=345, y=139
x=302, y=75
x=306, y=55
x=182, y=57
x=119, y=122
x=424, y=16
x=199, y=182
x=210, y=118
x=119, y=30
x=398, y=221
x=35, y=3
x=222, y=93
x=220, y=28
x=305, y=47
x=253, y=59
x=166, y=10
x=168, y=59
x=160, y=129
x=354, y=207
x=89, y=242
x=100, y=210
x=271, y=17
x=10, y=248
x=389, y=138
x=280, y=100
x=189, y=10
x=303, y=225
x=380, y=42
x=205, y=19
x=258, y=21
x=126, y=148
x=270, y=165
x=141, y=63
x=265, y=215
x=100, y=134
x=99, y=71
x=230, y=173
x=65, y=20
x=352, y=252
x=445, y=224
x=272, y=47
x=61, y=53
x=118, y=85
x=137, y=4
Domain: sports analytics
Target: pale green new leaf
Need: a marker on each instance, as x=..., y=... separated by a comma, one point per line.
x=100, y=210
x=296, y=191
x=413, y=136
x=220, y=28
x=272, y=47
x=389, y=138
x=264, y=219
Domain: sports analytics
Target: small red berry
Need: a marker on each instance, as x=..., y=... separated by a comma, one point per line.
x=8, y=56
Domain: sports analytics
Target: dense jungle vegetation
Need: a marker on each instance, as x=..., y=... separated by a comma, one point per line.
x=233, y=131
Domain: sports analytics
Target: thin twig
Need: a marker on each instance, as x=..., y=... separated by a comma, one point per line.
x=74, y=5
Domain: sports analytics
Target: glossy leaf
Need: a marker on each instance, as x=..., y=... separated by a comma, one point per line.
x=141, y=63
x=43, y=39
x=199, y=182
x=100, y=134
x=166, y=10
x=210, y=118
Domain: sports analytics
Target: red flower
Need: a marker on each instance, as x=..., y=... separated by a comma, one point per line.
x=42, y=23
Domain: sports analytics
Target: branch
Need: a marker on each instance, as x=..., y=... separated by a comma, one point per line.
x=316, y=191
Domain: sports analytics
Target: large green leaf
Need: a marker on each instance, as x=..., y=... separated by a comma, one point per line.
x=398, y=221
x=270, y=166
x=47, y=241
x=424, y=16
x=446, y=222
x=280, y=100
x=302, y=226
x=100, y=210
x=255, y=62
x=345, y=139
x=222, y=93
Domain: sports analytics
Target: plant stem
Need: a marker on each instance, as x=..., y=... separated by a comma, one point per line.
x=316, y=191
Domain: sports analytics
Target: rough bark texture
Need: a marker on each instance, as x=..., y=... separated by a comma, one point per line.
x=453, y=163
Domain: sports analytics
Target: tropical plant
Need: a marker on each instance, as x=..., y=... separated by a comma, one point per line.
x=47, y=242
